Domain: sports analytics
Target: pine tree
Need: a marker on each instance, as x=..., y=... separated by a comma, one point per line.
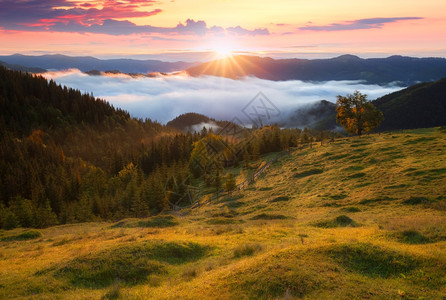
x=8, y=219
x=255, y=151
x=45, y=216
x=276, y=145
x=246, y=159
x=198, y=159
x=217, y=182
x=23, y=209
x=84, y=211
x=140, y=209
x=230, y=183
x=304, y=137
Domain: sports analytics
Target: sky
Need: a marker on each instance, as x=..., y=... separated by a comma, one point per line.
x=191, y=29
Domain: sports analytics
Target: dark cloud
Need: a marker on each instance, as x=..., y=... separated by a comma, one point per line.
x=37, y=13
x=358, y=24
x=111, y=18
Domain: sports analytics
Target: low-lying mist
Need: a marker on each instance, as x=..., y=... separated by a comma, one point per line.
x=165, y=97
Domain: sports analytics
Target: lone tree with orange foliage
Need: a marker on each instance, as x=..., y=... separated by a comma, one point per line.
x=356, y=114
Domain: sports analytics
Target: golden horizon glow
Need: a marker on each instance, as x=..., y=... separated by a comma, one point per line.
x=106, y=27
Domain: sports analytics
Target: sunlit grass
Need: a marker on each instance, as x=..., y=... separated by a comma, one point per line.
x=381, y=234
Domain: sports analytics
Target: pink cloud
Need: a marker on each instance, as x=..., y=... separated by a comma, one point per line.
x=19, y=15
x=109, y=17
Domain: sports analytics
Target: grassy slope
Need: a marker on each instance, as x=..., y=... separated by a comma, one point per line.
x=278, y=238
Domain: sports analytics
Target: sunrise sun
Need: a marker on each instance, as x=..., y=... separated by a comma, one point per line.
x=222, y=48
x=223, y=51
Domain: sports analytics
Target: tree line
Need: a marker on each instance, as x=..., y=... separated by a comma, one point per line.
x=69, y=157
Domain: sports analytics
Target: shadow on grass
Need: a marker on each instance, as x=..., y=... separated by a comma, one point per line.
x=129, y=264
x=28, y=235
x=371, y=260
x=221, y=221
x=157, y=222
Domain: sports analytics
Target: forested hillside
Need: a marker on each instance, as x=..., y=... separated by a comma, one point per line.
x=422, y=105
x=69, y=157
x=419, y=106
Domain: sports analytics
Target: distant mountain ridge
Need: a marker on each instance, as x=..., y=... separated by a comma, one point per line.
x=22, y=68
x=195, y=122
x=88, y=63
x=395, y=69
x=403, y=70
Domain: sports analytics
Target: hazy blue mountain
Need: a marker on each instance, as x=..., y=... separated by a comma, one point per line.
x=87, y=63
x=22, y=68
x=403, y=70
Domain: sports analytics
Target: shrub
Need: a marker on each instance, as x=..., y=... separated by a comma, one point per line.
x=221, y=221
x=227, y=213
x=264, y=216
x=352, y=209
x=280, y=198
x=234, y=204
x=375, y=200
x=159, y=221
x=338, y=197
x=113, y=293
x=267, y=188
x=190, y=272
x=246, y=250
x=308, y=173
x=8, y=220
x=357, y=175
x=344, y=220
x=340, y=221
x=412, y=237
x=416, y=200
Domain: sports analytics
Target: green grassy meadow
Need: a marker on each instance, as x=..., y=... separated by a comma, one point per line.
x=361, y=218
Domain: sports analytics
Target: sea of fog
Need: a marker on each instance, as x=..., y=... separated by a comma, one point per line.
x=163, y=98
